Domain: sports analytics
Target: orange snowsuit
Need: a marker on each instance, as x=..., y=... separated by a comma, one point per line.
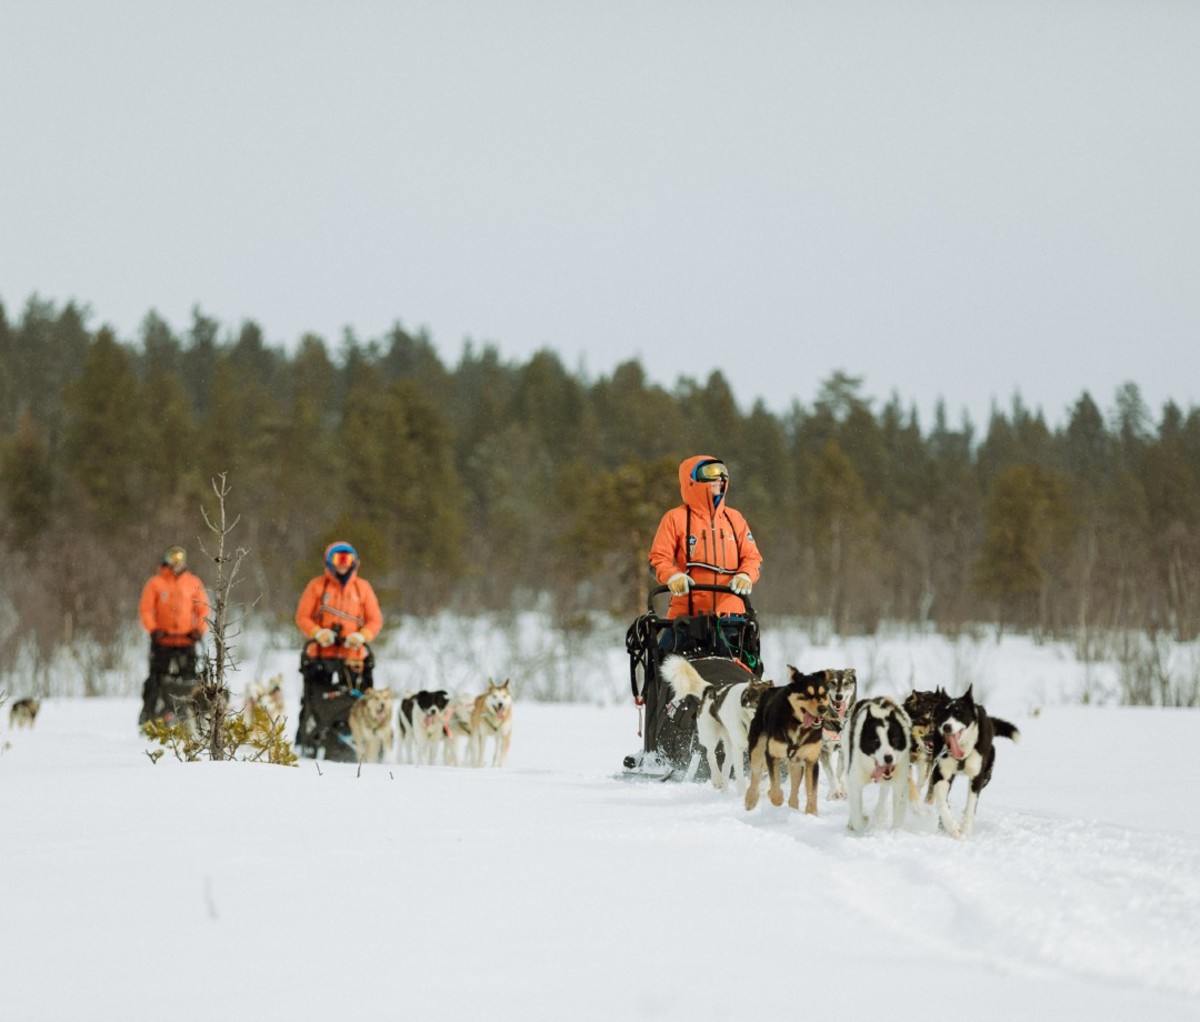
x=345, y=606
x=175, y=606
x=711, y=543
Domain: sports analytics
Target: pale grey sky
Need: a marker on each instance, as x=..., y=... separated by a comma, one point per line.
x=950, y=199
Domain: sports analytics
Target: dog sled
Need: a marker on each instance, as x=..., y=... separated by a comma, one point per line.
x=331, y=687
x=723, y=649
x=170, y=686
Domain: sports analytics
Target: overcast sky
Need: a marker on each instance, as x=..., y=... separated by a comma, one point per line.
x=963, y=200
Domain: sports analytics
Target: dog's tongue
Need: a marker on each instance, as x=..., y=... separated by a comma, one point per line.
x=882, y=773
x=955, y=749
x=810, y=720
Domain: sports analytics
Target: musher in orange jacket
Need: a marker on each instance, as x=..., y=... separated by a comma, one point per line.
x=174, y=612
x=338, y=610
x=704, y=541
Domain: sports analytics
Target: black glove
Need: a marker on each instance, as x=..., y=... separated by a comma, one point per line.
x=194, y=636
x=156, y=636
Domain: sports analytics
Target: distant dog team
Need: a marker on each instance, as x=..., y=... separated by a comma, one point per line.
x=430, y=720
x=417, y=725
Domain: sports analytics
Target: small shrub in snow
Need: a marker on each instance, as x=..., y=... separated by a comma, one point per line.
x=261, y=741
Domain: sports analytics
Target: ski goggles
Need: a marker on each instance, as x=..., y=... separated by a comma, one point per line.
x=710, y=472
x=175, y=558
x=342, y=560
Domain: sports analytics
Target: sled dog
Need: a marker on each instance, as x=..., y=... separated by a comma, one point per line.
x=371, y=724
x=421, y=724
x=456, y=726
x=963, y=736
x=723, y=716
x=880, y=740
x=266, y=696
x=491, y=717
x=843, y=691
x=920, y=706
x=23, y=713
x=786, y=731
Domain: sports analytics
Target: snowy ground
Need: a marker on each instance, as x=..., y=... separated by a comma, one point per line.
x=551, y=890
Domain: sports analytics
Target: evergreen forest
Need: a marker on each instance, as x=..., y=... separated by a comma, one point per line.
x=493, y=485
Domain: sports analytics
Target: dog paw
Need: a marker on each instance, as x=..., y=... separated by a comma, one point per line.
x=776, y=798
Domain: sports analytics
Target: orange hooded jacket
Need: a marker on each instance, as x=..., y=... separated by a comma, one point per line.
x=345, y=605
x=175, y=605
x=710, y=543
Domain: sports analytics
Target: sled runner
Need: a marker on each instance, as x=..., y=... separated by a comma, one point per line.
x=724, y=650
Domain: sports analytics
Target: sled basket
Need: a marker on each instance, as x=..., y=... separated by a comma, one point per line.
x=331, y=687
x=724, y=650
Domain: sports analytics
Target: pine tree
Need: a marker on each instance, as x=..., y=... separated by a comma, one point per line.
x=843, y=531
x=26, y=478
x=105, y=435
x=614, y=526
x=1025, y=519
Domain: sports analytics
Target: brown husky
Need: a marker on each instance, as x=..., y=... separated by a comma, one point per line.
x=23, y=713
x=786, y=730
x=920, y=707
x=491, y=717
x=371, y=724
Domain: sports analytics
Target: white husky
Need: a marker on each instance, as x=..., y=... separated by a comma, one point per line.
x=723, y=717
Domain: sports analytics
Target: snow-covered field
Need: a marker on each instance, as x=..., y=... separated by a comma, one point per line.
x=551, y=890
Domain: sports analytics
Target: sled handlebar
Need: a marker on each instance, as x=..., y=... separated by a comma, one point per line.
x=700, y=587
x=364, y=649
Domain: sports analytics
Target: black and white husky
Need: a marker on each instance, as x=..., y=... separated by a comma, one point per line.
x=880, y=744
x=963, y=736
x=842, y=684
x=722, y=718
x=420, y=725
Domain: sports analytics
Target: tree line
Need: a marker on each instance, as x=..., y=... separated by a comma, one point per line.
x=495, y=485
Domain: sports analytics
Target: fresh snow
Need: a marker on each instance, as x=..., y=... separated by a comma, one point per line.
x=550, y=889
